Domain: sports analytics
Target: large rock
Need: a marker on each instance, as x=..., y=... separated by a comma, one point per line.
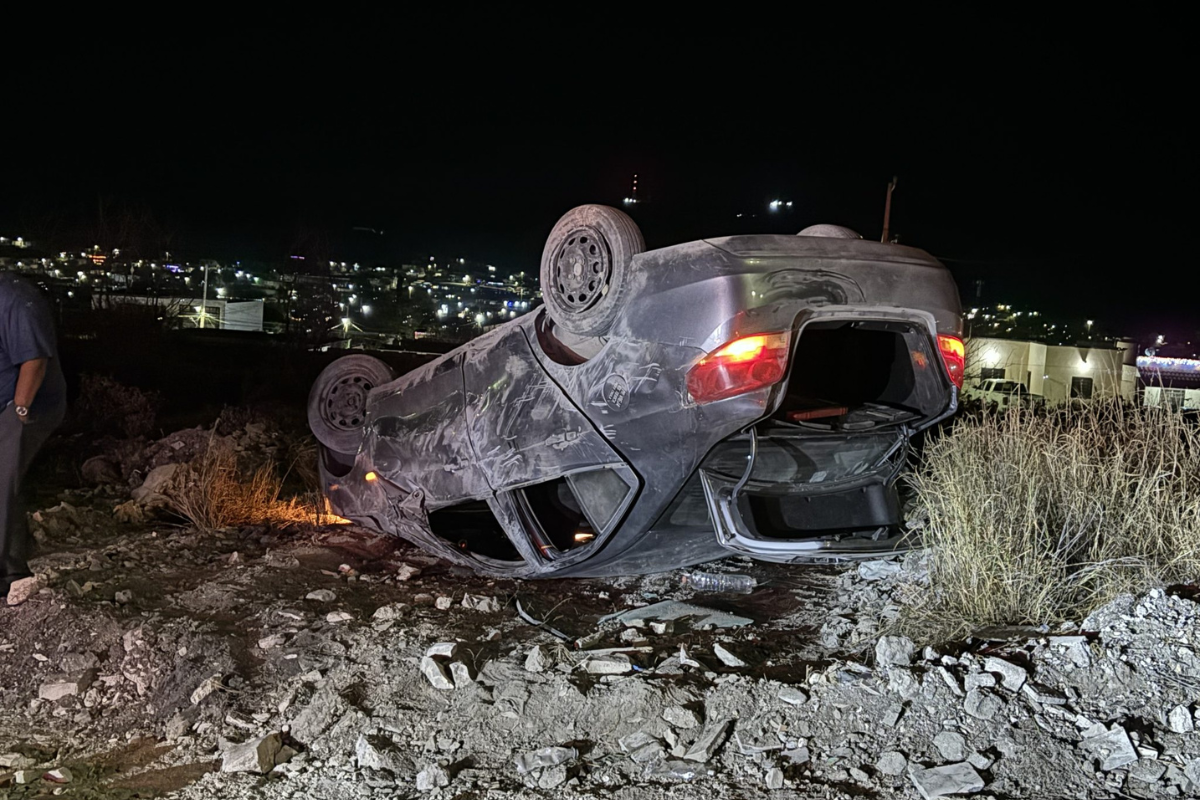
x=792, y=696
x=891, y=762
x=982, y=705
x=894, y=651
x=434, y=667
x=610, y=664
x=435, y=672
x=948, y=780
x=1111, y=749
x=256, y=755
x=379, y=752
x=727, y=658
x=432, y=777
x=710, y=738
x=545, y=757
x=1180, y=720
x=951, y=746
x=1012, y=676
x=22, y=590
x=537, y=660
x=482, y=603
x=99, y=470
x=681, y=717
x=156, y=483
x=60, y=686
x=642, y=747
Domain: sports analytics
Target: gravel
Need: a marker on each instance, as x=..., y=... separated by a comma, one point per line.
x=218, y=663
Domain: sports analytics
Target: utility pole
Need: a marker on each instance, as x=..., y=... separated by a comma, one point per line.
x=887, y=210
x=204, y=302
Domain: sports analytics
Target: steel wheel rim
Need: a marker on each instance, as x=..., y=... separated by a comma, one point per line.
x=345, y=402
x=582, y=270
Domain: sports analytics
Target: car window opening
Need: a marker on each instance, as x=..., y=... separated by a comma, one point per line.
x=562, y=347
x=472, y=528
x=558, y=520
x=854, y=375
x=338, y=465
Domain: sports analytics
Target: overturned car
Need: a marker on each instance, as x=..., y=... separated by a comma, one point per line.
x=745, y=394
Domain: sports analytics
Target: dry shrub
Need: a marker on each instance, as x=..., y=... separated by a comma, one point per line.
x=1041, y=518
x=107, y=407
x=215, y=492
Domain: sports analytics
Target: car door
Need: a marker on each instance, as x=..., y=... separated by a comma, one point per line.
x=524, y=428
x=419, y=440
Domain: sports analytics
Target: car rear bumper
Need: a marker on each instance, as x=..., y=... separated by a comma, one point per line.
x=782, y=518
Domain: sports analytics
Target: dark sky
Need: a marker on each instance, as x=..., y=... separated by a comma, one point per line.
x=1059, y=168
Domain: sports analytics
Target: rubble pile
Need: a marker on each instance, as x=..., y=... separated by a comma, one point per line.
x=336, y=663
x=139, y=464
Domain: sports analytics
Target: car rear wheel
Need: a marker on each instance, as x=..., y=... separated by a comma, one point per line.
x=586, y=271
x=337, y=403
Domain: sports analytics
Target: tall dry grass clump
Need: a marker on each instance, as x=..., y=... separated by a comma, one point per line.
x=215, y=492
x=1040, y=518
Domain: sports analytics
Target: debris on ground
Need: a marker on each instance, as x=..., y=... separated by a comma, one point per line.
x=156, y=659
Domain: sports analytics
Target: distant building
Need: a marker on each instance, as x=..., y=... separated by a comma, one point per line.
x=1056, y=372
x=1170, y=382
x=229, y=315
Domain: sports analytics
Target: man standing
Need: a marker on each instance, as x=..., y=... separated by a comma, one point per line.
x=32, y=404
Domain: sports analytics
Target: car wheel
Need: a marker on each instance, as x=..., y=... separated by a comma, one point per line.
x=586, y=271
x=337, y=403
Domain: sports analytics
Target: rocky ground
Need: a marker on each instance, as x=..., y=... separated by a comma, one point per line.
x=152, y=659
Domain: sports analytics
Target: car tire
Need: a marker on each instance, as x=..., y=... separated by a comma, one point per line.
x=337, y=403
x=586, y=268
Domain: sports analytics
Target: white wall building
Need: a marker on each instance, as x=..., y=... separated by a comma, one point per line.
x=230, y=315
x=1056, y=372
x=1170, y=382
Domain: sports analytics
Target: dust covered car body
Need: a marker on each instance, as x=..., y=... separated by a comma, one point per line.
x=746, y=394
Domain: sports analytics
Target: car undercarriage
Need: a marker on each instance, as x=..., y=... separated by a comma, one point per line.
x=753, y=395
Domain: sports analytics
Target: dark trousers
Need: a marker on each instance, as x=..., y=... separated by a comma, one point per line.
x=19, y=443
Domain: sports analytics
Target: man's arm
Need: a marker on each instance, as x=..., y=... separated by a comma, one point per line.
x=29, y=380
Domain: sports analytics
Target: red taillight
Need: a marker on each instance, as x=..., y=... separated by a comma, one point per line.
x=954, y=355
x=740, y=366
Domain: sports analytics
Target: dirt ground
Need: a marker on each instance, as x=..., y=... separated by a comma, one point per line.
x=356, y=665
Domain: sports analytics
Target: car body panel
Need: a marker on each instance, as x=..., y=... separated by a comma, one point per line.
x=523, y=427
x=417, y=434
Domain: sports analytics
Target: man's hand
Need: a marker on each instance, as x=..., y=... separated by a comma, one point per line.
x=29, y=381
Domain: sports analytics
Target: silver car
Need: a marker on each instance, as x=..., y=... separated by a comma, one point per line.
x=742, y=394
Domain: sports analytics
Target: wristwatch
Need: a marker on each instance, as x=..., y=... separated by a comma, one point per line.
x=22, y=411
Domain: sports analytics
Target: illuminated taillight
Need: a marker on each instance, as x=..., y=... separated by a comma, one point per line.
x=740, y=366
x=954, y=356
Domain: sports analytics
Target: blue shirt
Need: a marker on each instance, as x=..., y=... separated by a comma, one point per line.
x=26, y=334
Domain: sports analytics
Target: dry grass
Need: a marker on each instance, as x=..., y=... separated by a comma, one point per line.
x=1041, y=518
x=215, y=492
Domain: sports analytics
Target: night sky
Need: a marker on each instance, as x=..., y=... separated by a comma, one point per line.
x=1060, y=172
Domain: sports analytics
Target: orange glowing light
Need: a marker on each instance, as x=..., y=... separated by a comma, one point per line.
x=330, y=518
x=742, y=349
x=370, y=477
x=953, y=346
